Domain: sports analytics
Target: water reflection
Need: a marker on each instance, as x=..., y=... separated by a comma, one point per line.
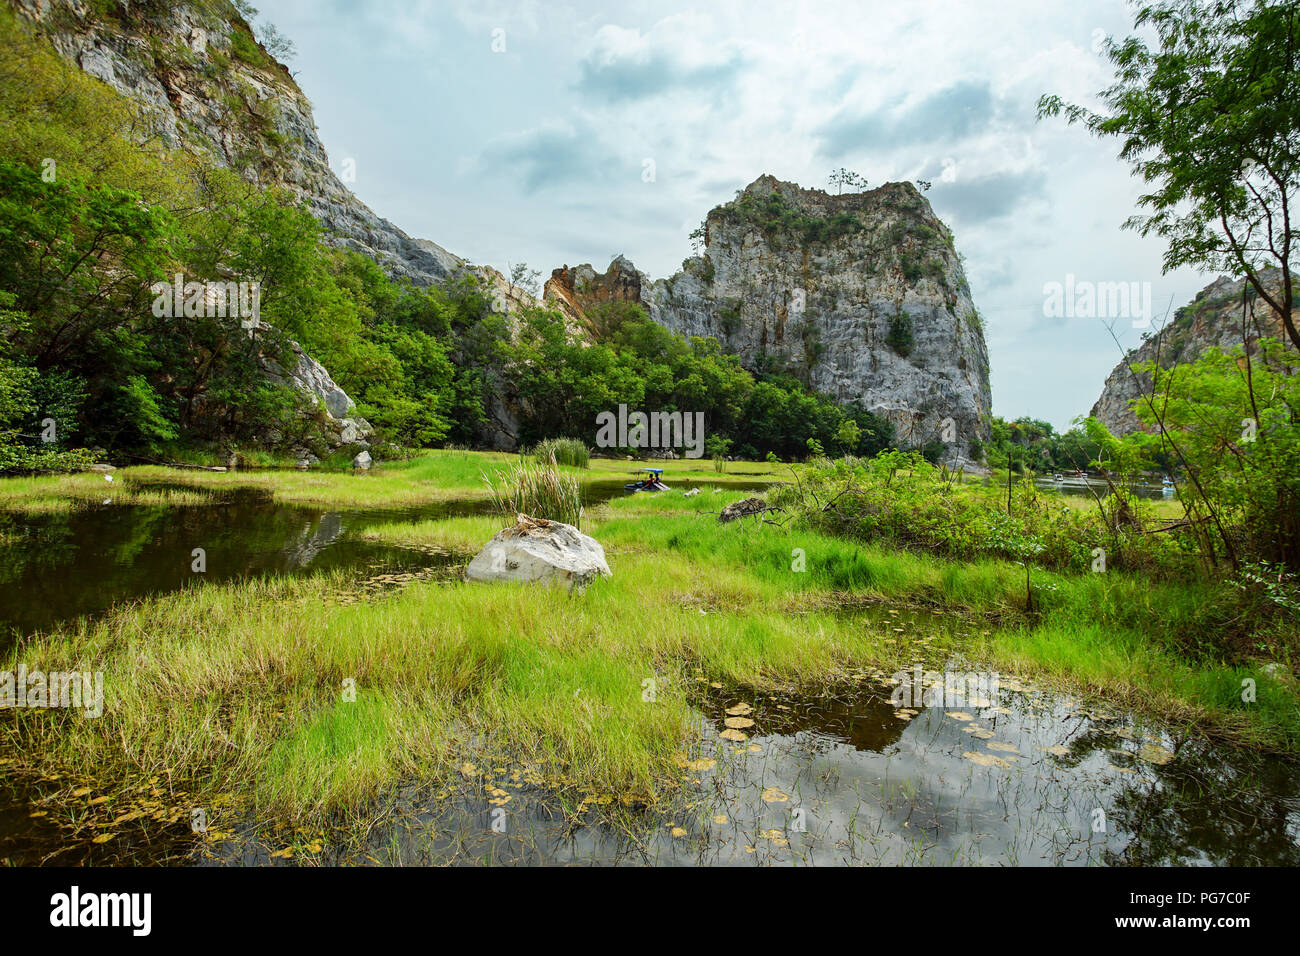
x=843, y=779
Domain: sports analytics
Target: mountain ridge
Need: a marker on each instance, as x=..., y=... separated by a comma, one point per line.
x=861, y=295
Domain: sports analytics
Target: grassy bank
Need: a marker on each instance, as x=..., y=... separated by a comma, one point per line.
x=242, y=687
x=428, y=478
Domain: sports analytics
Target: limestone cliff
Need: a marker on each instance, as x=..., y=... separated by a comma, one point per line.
x=1212, y=320
x=862, y=296
x=211, y=88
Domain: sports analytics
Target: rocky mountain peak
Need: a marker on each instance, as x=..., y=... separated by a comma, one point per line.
x=860, y=295
x=1211, y=320
x=211, y=88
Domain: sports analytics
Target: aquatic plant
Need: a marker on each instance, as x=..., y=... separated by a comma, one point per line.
x=539, y=491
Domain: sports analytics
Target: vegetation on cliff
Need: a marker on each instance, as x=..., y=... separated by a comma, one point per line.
x=91, y=219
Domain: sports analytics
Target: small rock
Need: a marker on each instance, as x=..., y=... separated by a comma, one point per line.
x=363, y=461
x=740, y=509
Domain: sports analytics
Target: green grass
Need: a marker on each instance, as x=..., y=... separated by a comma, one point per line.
x=429, y=478
x=562, y=451
x=239, y=687
x=539, y=491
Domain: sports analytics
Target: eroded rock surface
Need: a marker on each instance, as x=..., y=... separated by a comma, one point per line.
x=862, y=296
x=547, y=552
x=1212, y=320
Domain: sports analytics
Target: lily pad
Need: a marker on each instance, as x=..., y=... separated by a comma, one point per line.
x=985, y=760
x=1154, y=753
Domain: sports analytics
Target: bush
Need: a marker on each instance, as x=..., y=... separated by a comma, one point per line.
x=901, y=337
x=539, y=491
x=900, y=499
x=562, y=451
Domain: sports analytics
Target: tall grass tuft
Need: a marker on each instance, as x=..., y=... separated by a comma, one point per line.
x=562, y=451
x=539, y=491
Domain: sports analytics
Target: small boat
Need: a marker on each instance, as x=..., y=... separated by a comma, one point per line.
x=1166, y=486
x=650, y=481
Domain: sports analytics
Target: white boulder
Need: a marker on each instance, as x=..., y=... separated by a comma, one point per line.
x=535, y=549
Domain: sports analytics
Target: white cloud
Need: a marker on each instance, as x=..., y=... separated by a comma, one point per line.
x=537, y=154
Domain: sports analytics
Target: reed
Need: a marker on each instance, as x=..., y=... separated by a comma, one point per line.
x=563, y=451
x=539, y=491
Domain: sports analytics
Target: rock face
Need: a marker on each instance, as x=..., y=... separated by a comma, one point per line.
x=578, y=290
x=862, y=296
x=1211, y=320
x=313, y=380
x=535, y=549
x=210, y=88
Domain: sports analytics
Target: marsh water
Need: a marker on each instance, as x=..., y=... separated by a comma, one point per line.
x=1020, y=776
x=837, y=779
x=59, y=566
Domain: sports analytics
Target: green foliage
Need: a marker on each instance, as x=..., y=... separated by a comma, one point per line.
x=28, y=401
x=560, y=384
x=849, y=435
x=1034, y=444
x=901, y=337
x=776, y=217
x=900, y=499
x=1235, y=422
x=1209, y=118
x=563, y=451
x=245, y=47
x=539, y=491
x=83, y=240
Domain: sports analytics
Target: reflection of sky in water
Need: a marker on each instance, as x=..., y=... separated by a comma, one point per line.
x=844, y=780
x=869, y=786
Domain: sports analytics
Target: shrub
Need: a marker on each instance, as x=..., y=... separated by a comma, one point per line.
x=901, y=337
x=539, y=491
x=562, y=451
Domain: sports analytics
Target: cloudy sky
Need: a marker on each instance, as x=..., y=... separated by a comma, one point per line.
x=528, y=132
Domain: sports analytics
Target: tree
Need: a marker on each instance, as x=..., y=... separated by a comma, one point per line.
x=848, y=436
x=842, y=177
x=1210, y=119
x=522, y=277
x=275, y=42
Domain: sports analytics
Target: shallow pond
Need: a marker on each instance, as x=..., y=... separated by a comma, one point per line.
x=1013, y=775
x=57, y=567
x=843, y=777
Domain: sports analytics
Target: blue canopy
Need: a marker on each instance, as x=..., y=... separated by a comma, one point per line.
x=657, y=471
